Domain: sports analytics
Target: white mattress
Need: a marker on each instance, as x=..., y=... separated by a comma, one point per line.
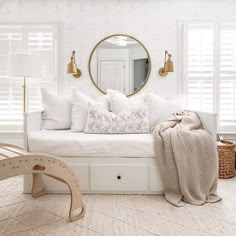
x=70, y=144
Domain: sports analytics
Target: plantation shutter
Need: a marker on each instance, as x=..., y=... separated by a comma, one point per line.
x=42, y=42
x=228, y=74
x=210, y=71
x=11, y=41
x=199, y=67
x=32, y=40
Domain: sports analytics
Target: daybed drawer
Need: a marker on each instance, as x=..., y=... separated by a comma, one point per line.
x=155, y=179
x=53, y=185
x=81, y=172
x=119, y=178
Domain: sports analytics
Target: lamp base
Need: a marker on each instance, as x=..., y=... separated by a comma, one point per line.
x=78, y=74
x=162, y=72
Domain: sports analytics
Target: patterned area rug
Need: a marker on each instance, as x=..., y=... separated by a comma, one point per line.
x=121, y=215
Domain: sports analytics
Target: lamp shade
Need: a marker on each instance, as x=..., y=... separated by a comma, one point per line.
x=25, y=65
x=169, y=66
x=71, y=67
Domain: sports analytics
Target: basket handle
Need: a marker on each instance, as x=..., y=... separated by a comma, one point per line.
x=219, y=138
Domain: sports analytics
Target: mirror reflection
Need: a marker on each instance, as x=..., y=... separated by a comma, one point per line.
x=119, y=62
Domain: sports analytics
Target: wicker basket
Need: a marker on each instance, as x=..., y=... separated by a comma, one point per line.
x=226, y=151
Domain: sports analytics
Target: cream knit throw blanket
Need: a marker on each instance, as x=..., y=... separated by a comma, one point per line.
x=187, y=158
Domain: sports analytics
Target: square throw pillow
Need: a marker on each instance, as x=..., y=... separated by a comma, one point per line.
x=120, y=102
x=56, y=111
x=100, y=121
x=159, y=108
x=80, y=105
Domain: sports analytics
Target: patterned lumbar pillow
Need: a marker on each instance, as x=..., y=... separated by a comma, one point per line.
x=100, y=121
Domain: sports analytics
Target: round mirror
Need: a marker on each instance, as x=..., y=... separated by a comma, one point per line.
x=119, y=62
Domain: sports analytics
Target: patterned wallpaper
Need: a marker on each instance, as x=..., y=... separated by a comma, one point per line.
x=82, y=23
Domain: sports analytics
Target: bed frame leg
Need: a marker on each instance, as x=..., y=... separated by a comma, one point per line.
x=38, y=188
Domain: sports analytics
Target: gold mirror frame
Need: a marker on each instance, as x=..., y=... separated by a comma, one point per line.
x=149, y=60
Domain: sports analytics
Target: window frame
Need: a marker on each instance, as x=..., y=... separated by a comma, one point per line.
x=182, y=76
x=54, y=28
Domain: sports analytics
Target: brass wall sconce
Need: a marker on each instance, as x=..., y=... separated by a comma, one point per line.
x=168, y=65
x=72, y=67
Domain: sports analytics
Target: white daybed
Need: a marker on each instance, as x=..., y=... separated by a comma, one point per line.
x=123, y=163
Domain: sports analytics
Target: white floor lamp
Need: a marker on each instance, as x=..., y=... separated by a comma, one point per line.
x=26, y=66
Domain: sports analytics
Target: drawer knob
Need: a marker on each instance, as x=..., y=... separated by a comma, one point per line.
x=118, y=177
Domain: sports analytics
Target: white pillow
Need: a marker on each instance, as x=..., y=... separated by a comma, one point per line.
x=80, y=104
x=57, y=111
x=100, y=121
x=120, y=102
x=160, y=108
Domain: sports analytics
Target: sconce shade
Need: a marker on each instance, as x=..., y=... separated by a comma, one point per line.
x=169, y=66
x=72, y=67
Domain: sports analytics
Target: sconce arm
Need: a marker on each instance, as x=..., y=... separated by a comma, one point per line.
x=73, y=56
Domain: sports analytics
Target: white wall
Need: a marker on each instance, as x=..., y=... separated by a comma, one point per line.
x=83, y=23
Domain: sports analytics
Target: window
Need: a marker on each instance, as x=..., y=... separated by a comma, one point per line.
x=30, y=39
x=209, y=70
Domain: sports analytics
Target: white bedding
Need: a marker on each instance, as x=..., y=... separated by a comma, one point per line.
x=70, y=144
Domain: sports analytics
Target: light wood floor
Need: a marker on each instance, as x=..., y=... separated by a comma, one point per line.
x=121, y=215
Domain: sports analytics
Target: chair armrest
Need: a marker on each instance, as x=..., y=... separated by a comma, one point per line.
x=209, y=121
x=32, y=122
